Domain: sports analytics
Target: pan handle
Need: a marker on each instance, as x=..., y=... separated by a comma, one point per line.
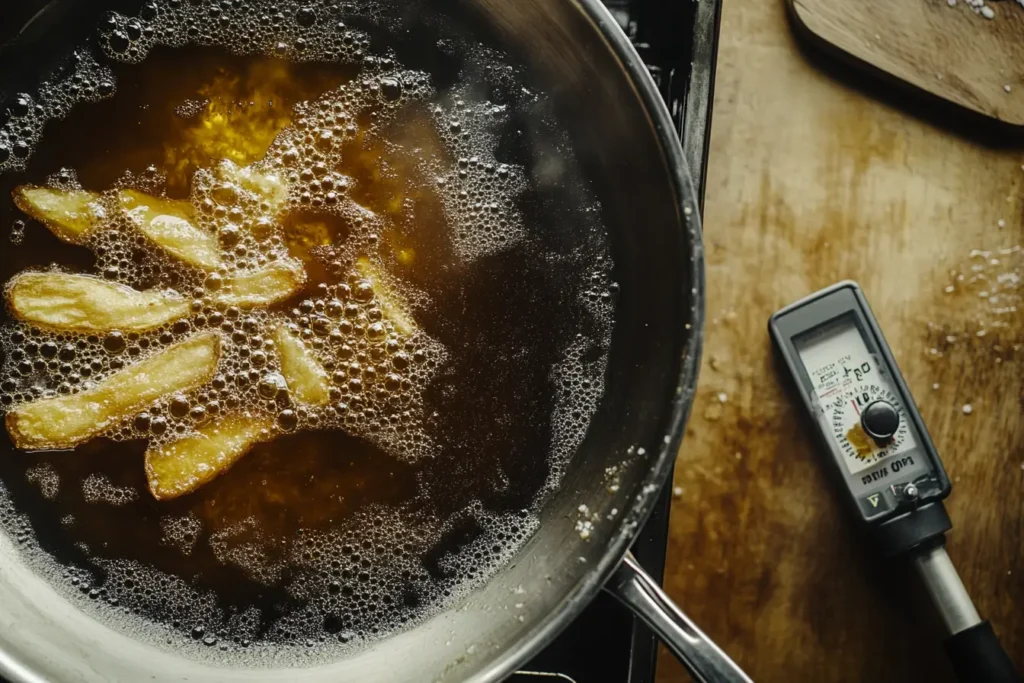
x=701, y=657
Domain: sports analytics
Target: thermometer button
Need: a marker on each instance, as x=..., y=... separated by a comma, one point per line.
x=880, y=420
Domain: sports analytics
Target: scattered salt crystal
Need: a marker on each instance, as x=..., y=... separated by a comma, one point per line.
x=950, y=338
x=981, y=333
x=1001, y=223
x=987, y=12
x=935, y=386
x=951, y=3
x=1007, y=87
x=582, y=559
x=950, y=289
x=584, y=510
x=677, y=492
x=641, y=450
x=722, y=397
x=967, y=409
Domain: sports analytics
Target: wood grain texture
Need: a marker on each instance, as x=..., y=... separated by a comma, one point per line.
x=948, y=51
x=810, y=182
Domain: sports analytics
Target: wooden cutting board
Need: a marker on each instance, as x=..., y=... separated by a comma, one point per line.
x=946, y=50
x=811, y=181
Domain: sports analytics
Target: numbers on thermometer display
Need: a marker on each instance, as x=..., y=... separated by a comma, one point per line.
x=847, y=380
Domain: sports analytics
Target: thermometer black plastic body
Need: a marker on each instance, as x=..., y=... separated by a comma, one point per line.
x=877, y=447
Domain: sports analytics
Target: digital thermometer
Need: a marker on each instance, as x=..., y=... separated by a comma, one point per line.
x=876, y=445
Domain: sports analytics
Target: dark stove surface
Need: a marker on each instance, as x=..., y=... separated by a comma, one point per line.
x=677, y=40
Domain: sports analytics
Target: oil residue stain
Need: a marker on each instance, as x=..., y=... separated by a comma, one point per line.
x=860, y=441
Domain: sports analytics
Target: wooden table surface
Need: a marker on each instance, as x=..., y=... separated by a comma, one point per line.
x=811, y=181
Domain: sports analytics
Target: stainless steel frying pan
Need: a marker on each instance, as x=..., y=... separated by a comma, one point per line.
x=624, y=139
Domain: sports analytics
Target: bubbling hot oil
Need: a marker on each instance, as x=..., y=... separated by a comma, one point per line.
x=425, y=471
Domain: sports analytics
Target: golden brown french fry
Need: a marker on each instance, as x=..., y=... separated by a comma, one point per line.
x=66, y=421
x=69, y=214
x=392, y=305
x=82, y=303
x=306, y=378
x=169, y=223
x=268, y=285
x=185, y=465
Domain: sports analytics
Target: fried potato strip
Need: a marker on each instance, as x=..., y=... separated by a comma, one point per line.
x=187, y=464
x=306, y=378
x=86, y=304
x=169, y=224
x=66, y=421
x=268, y=285
x=71, y=215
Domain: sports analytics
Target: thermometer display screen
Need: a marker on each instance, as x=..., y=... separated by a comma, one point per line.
x=847, y=379
x=871, y=434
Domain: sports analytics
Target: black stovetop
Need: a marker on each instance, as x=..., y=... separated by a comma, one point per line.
x=678, y=40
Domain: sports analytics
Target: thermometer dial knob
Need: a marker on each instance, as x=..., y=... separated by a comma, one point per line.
x=880, y=420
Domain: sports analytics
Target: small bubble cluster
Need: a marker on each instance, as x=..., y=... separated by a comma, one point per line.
x=46, y=478
x=97, y=488
x=480, y=193
x=181, y=532
x=246, y=546
x=83, y=79
x=579, y=375
x=290, y=30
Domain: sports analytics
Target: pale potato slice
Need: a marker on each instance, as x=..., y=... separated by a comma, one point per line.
x=71, y=215
x=269, y=187
x=66, y=421
x=392, y=305
x=185, y=465
x=82, y=303
x=307, y=380
x=273, y=283
x=168, y=223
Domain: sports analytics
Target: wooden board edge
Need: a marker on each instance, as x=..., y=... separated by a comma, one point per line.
x=805, y=30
